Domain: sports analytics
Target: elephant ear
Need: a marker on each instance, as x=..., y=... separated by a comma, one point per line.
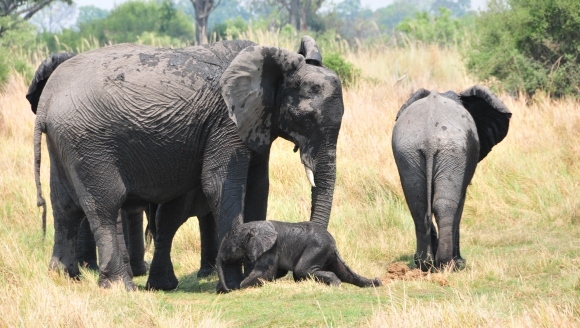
x=490, y=114
x=309, y=49
x=261, y=239
x=419, y=94
x=41, y=76
x=249, y=87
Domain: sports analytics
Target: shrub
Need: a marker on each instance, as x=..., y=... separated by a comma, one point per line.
x=230, y=29
x=529, y=45
x=346, y=71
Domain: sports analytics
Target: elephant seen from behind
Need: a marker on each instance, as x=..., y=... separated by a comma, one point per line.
x=438, y=139
x=269, y=249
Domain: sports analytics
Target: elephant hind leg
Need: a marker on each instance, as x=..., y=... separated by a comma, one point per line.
x=67, y=219
x=169, y=217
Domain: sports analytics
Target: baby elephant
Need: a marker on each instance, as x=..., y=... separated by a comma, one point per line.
x=270, y=249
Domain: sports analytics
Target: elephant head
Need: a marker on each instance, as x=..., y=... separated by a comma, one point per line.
x=273, y=92
x=249, y=240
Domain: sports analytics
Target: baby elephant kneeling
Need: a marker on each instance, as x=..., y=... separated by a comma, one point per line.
x=269, y=249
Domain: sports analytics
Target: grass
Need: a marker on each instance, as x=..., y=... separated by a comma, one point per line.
x=520, y=229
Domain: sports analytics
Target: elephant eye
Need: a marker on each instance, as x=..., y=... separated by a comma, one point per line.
x=307, y=123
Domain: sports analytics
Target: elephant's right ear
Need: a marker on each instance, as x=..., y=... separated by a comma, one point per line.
x=41, y=76
x=249, y=87
x=262, y=238
x=490, y=114
x=419, y=94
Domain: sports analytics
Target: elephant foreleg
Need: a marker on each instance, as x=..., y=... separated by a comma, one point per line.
x=265, y=269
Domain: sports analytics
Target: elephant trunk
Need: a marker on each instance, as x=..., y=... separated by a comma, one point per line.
x=222, y=285
x=324, y=179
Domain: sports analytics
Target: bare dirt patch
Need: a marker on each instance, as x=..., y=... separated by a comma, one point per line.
x=401, y=271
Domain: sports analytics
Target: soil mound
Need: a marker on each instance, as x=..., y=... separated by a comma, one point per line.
x=401, y=271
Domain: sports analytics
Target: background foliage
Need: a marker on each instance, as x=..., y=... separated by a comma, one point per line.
x=529, y=45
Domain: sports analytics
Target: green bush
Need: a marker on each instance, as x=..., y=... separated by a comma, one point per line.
x=231, y=28
x=440, y=28
x=346, y=71
x=129, y=22
x=16, y=45
x=529, y=45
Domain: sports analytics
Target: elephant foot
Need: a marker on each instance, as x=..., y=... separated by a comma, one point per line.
x=456, y=264
x=106, y=283
x=89, y=264
x=205, y=271
x=139, y=269
x=166, y=282
x=71, y=268
x=425, y=265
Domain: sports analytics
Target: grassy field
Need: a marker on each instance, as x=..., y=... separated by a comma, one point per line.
x=520, y=229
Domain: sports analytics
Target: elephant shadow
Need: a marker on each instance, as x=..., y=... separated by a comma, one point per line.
x=190, y=283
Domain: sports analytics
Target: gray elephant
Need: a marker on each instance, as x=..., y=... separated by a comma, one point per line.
x=438, y=140
x=271, y=249
x=132, y=222
x=189, y=129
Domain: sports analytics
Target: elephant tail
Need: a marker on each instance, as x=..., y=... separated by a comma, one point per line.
x=41, y=76
x=429, y=178
x=222, y=286
x=345, y=274
x=38, y=127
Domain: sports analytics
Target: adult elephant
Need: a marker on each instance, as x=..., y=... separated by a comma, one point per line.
x=132, y=222
x=189, y=129
x=438, y=140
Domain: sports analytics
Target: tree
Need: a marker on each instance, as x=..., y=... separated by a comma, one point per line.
x=12, y=12
x=388, y=17
x=457, y=7
x=55, y=17
x=91, y=13
x=529, y=45
x=202, y=10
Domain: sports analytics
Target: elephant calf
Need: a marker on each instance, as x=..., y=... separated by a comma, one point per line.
x=273, y=248
x=438, y=140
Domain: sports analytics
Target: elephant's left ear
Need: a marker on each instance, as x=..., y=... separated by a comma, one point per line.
x=250, y=85
x=419, y=94
x=309, y=49
x=262, y=239
x=491, y=116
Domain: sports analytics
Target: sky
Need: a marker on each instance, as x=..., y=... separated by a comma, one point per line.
x=372, y=4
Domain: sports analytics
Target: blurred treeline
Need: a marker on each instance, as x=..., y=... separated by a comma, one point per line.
x=521, y=46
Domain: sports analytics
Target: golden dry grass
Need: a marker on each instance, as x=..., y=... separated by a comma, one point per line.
x=520, y=232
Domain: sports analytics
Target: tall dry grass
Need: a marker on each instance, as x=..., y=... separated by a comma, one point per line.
x=520, y=231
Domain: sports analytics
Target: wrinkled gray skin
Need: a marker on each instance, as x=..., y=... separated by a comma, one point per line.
x=189, y=129
x=132, y=222
x=133, y=239
x=438, y=140
x=271, y=248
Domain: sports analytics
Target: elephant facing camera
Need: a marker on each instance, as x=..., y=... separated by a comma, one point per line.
x=269, y=249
